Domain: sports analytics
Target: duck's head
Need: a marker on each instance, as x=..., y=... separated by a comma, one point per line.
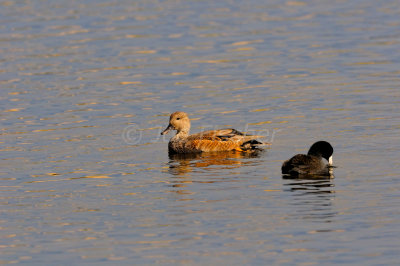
x=323, y=149
x=178, y=121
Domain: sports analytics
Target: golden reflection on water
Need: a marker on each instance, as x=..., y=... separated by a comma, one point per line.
x=182, y=164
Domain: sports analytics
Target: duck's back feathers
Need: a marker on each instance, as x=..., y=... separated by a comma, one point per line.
x=224, y=135
x=215, y=140
x=221, y=140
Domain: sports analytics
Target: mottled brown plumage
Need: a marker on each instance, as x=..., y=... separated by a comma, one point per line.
x=206, y=141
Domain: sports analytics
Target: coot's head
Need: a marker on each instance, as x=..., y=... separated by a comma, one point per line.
x=323, y=149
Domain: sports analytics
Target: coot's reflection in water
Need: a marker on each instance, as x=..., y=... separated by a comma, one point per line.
x=182, y=164
x=313, y=198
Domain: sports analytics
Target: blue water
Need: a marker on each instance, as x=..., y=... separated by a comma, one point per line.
x=87, y=87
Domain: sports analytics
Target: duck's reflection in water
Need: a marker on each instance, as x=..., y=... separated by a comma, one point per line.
x=181, y=164
x=206, y=167
x=312, y=197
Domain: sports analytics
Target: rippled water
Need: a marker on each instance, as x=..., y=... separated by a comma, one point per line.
x=87, y=86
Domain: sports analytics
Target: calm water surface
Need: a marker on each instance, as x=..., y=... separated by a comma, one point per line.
x=87, y=87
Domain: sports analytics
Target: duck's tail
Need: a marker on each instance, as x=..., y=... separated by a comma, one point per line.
x=253, y=145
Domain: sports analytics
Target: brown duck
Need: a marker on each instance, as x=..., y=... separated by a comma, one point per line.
x=207, y=141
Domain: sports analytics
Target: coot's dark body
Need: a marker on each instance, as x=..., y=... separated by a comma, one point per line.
x=312, y=163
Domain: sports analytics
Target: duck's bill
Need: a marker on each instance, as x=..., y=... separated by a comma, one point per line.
x=169, y=127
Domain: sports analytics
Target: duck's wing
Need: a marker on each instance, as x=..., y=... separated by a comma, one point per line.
x=222, y=140
x=213, y=134
x=227, y=134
